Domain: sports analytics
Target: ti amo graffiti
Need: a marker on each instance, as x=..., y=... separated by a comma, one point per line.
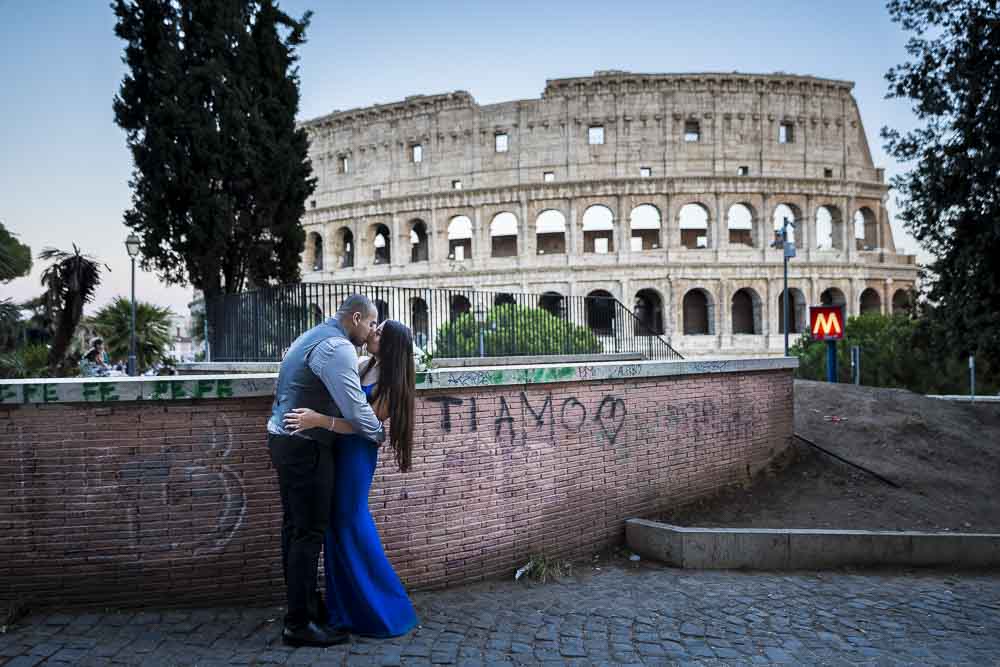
x=521, y=415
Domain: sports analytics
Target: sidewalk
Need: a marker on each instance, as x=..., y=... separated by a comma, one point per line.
x=644, y=614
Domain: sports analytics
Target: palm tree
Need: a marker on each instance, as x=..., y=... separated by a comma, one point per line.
x=152, y=330
x=70, y=282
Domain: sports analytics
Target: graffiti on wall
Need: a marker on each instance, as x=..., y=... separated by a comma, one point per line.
x=516, y=417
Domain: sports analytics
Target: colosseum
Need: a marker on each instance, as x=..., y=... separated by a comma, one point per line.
x=661, y=190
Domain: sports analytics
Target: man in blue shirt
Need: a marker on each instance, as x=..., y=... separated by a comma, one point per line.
x=319, y=371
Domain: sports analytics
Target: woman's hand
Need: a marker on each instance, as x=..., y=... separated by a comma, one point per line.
x=302, y=419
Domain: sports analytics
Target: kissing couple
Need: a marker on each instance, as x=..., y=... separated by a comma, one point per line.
x=323, y=436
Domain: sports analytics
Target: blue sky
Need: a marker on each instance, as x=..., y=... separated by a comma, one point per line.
x=65, y=168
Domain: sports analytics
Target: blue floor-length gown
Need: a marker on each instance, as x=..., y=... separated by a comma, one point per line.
x=364, y=594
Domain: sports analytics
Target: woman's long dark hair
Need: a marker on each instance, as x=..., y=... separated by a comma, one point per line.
x=397, y=386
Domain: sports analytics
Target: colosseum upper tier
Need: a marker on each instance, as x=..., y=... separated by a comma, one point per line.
x=662, y=190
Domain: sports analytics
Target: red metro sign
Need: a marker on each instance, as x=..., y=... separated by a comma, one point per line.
x=826, y=322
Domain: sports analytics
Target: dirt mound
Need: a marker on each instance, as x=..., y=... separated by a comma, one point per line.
x=944, y=456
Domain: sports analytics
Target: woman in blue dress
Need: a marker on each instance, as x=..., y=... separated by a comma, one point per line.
x=364, y=594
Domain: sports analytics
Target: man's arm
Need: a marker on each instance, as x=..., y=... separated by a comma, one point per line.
x=335, y=362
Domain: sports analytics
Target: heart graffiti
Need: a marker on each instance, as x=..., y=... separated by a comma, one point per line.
x=611, y=417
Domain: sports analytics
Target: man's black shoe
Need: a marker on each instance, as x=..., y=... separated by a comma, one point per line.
x=313, y=634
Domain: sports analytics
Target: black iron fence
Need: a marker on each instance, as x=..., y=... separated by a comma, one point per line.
x=260, y=325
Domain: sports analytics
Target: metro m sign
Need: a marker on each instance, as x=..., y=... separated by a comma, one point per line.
x=826, y=322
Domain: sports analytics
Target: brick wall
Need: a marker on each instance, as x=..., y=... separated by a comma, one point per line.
x=140, y=503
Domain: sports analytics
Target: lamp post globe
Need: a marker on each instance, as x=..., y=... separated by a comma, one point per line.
x=132, y=247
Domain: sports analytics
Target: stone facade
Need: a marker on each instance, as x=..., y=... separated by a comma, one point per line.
x=660, y=189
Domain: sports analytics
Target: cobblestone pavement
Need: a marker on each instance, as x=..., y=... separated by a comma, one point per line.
x=618, y=614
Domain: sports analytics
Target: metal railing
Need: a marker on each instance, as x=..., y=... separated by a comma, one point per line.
x=261, y=324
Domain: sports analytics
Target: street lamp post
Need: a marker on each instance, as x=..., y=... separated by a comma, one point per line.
x=132, y=246
x=788, y=251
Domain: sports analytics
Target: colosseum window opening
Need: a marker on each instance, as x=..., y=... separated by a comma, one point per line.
x=645, y=172
x=316, y=241
x=743, y=171
x=829, y=228
x=417, y=153
x=797, y=312
x=746, y=312
x=693, y=223
x=598, y=230
x=504, y=299
x=553, y=302
x=791, y=212
x=500, y=142
x=599, y=309
x=344, y=248
x=645, y=226
x=870, y=302
x=419, y=244
x=595, y=135
x=832, y=296
x=312, y=203
x=460, y=238
x=420, y=319
x=648, y=312
x=692, y=131
x=698, y=313
x=864, y=229
x=456, y=185
x=381, y=246
x=343, y=164
x=827, y=173
x=739, y=221
x=550, y=233
x=786, y=133
x=459, y=306
x=548, y=176
x=503, y=235
x=901, y=302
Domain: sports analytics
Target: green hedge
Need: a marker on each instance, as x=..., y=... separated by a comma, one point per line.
x=514, y=330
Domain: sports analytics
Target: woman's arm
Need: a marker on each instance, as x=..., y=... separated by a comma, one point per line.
x=301, y=419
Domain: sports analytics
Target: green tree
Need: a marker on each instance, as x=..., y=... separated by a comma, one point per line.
x=70, y=282
x=221, y=172
x=949, y=200
x=15, y=257
x=113, y=323
x=514, y=330
x=15, y=261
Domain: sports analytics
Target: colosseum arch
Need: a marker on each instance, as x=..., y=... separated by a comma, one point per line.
x=503, y=235
x=901, y=302
x=747, y=312
x=829, y=228
x=648, y=309
x=553, y=303
x=381, y=244
x=865, y=229
x=832, y=296
x=694, y=223
x=550, y=232
x=315, y=250
x=420, y=321
x=793, y=213
x=598, y=230
x=645, y=228
x=419, y=241
x=870, y=302
x=599, y=307
x=741, y=225
x=460, y=238
x=797, y=311
x=343, y=247
x=698, y=312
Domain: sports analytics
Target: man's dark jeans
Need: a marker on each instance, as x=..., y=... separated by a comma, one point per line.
x=305, y=477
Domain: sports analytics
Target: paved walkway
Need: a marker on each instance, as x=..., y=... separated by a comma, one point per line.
x=617, y=614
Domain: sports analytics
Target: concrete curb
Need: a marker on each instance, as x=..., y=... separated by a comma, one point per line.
x=790, y=549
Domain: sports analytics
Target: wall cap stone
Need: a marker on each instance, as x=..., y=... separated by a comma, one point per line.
x=170, y=388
